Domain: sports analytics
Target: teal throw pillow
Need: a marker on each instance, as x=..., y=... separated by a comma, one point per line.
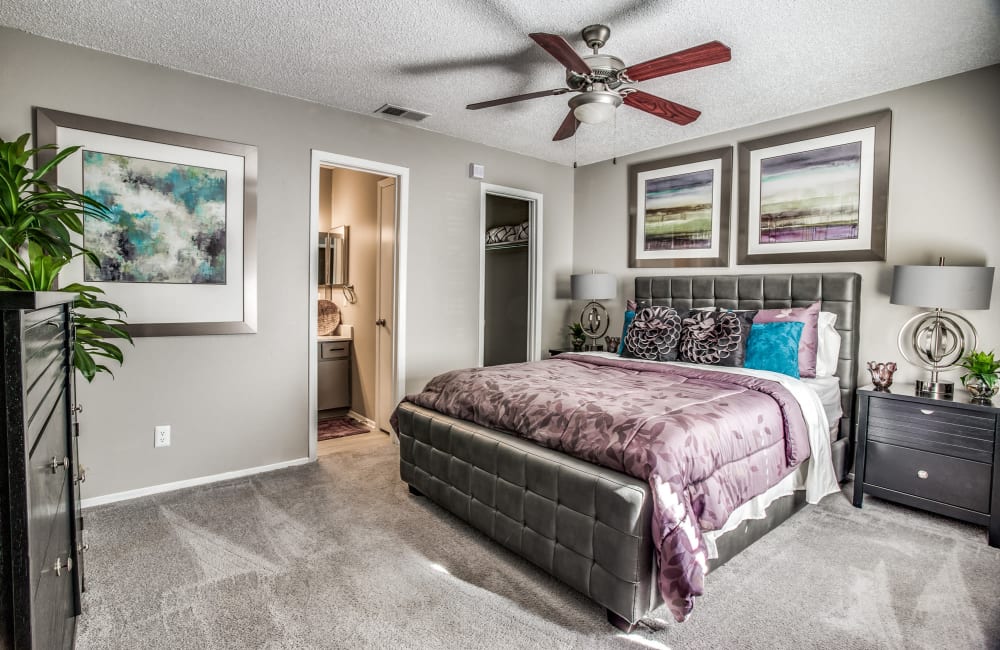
x=629, y=317
x=775, y=347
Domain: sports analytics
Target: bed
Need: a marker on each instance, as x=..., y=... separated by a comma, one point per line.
x=591, y=526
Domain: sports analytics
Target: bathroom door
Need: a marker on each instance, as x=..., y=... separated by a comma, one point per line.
x=385, y=324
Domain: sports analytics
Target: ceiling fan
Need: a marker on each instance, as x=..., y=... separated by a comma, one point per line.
x=604, y=82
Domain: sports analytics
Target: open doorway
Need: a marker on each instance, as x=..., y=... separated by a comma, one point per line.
x=509, y=275
x=357, y=251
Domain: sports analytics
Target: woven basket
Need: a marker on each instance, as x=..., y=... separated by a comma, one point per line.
x=328, y=318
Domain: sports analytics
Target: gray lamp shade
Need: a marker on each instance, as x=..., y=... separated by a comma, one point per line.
x=593, y=286
x=944, y=287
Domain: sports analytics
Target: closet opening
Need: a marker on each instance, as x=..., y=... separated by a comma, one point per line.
x=510, y=273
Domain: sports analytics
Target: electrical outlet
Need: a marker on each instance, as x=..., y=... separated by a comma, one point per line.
x=161, y=436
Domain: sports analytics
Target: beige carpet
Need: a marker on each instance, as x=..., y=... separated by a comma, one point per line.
x=338, y=555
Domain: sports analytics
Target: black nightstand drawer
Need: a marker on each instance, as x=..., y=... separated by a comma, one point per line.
x=932, y=427
x=954, y=481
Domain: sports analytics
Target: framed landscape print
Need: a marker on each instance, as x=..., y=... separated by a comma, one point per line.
x=679, y=210
x=816, y=195
x=179, y=252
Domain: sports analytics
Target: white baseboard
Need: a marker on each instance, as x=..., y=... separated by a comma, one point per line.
x=362, y=419
x=186, y=483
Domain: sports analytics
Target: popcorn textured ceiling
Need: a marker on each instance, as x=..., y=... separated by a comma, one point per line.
x=789, y=56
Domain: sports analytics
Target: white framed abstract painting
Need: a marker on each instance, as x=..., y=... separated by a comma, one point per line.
x=817, y=194
x=679, y=210
x=179, y=251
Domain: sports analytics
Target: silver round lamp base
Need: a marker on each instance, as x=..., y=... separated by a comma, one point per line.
x=939, y=389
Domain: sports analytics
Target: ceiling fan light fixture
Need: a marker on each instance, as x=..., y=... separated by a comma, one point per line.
x=595, y=106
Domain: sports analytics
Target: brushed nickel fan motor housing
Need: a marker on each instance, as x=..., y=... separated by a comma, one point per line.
x=605, y=69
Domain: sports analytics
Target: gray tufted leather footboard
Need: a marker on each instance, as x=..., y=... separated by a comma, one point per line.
x=586, y=525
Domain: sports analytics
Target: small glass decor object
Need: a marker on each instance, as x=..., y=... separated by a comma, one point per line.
x=882, y=374
x=981, y=380
x=577, y=336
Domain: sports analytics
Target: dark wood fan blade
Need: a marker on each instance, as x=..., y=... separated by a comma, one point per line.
x=563, y=52
x=517, y=98
x=668, y=110
x=568, y=127
x=696, y=57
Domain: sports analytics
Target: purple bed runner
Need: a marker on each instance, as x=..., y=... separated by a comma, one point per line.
x=706, y=441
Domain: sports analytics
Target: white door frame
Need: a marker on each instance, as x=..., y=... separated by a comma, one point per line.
x=402, y=174
x=534, y=200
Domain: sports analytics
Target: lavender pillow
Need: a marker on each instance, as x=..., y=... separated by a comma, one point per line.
x=808, y=343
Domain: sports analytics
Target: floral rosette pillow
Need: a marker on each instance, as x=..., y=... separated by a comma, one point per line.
x=653, y=334
x=715, y=338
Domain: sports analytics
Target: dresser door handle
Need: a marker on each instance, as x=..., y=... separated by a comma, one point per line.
x=55, y=464
x=922, y=473
x=59, y=566
x=927, y=411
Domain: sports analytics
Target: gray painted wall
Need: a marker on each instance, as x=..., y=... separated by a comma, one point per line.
x=237, y=402
x=944, y=198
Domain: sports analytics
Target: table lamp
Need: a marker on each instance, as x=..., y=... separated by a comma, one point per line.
x=593, y=287
x=936, y=340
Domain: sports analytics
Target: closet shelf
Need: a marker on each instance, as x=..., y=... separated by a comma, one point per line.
x=507, y=244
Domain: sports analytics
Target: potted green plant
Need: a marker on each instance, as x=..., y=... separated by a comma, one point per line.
x=37, y=218
x=577, y=336
x=981, y=380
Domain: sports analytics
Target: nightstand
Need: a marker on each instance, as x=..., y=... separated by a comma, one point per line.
x=933, y=454
x=555, y=352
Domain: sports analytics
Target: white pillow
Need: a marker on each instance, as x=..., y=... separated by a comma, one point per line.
x=828, y=345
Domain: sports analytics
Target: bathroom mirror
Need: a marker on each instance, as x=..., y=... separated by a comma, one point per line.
x=339, y=245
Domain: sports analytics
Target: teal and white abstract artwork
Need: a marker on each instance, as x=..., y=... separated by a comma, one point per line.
x=167, y=226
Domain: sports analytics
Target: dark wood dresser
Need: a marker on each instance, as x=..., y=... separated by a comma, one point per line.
x=40, y=525
x=934, y=454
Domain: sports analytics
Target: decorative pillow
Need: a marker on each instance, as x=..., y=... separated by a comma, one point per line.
x=809, y=317
x=654, y=334
x=828, y=349
x=715, y=338
x=775, y=347
x=630, y=307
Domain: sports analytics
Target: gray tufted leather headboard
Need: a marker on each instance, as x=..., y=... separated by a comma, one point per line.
x=839, y=293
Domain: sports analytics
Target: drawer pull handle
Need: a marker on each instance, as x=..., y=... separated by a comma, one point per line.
x=59, y=566
x=922, y=473
x=927, y=411
x=55, y=464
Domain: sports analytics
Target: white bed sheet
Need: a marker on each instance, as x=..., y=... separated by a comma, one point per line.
x=828, y=390
x=816, y=476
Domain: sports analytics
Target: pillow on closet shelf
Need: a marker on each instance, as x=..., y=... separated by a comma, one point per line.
x=828, y=349
x=654, y=334
x=715, y=338
x=775, y=347
x=809, y=317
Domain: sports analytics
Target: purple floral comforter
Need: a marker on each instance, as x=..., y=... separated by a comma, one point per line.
x=706, y=441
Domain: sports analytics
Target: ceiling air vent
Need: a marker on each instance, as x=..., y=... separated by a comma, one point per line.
x=405, y=113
